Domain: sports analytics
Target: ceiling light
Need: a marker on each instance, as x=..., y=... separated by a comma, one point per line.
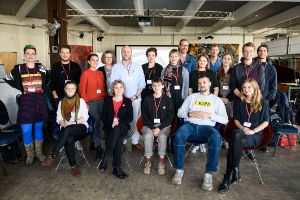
x=143, y=21
x=81, y=35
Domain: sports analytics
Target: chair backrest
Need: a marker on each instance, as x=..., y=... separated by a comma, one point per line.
x=268, y=132
x=4, y=117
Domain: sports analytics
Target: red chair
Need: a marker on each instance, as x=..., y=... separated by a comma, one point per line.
x=268, y=134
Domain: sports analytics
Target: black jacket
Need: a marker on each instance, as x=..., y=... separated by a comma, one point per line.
x=165, y=111
x=270, y=90
x=125, y=113
x=58, y=76
x=155, y=72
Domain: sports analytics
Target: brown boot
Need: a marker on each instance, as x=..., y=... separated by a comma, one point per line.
x=48, y=161
x=30, y=154
x=38, y=150
x=75, y=171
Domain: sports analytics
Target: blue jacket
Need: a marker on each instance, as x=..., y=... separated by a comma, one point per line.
x=189, y=63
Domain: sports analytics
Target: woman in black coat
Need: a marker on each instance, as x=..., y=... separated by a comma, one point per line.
x=117, y=113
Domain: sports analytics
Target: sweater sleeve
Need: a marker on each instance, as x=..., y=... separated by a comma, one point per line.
x=233, y=80
x=58, y=113
x=129, y=117
x=83, y=110
x=184, y=109
x=14, y=78
x=186, y=80
x=146, y=114
x=83, y=87
x=104, y=113
x=220, y=114
x=170, y=115
x=272, y=85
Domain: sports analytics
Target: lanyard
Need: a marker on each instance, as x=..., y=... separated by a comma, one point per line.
x=27, y=68
x=156, y=106
x=177, y=74
x=115, y=107
x=151, y=70
x=67, y=74
x=249, y=113
x=127, y=67
x=248, y=71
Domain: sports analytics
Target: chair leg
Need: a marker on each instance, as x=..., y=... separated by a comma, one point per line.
x=257, y=169
x=84, y=156
x=126, y=159
x=62, y=157
x=273, y=155
x=22, y=150
x=169, y=160
x=3, y=166
x=189, y=151
x=142, y=159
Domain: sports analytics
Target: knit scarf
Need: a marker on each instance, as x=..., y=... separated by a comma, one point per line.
x=68, y=104
x=168, y=78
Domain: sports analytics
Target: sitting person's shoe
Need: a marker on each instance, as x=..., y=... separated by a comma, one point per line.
x=207, y=182
x=161, y=169
x=48, y=161
x=202, y=148
x=250, y=155
x=75, y=171
x=177, y=178
x=103, y=164
x=224, y=187
x=236, y=176
x=195, y=148
x=137, y=146
x=147, y=168
x=119, y=173
x=264, y=150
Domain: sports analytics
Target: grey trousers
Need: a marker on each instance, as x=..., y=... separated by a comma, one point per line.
x=95, y=109
x=162, y=141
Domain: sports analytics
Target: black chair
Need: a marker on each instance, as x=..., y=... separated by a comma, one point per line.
x=9, y=135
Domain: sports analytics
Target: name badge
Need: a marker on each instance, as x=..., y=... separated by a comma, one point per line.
x=177, y=87
x=149, y=82
x=247, y=124
x=225, y=87
x=98, y=91
x=67, y=80
x=156, y=121
x=31, y=89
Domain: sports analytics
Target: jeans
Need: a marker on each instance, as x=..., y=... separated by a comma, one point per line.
x=189, y=132
x=95, y=109
x=67, y=138
x=114, y=139
x=27, y=132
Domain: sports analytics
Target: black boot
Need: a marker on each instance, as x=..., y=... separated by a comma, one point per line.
x=224, y=187
x=118, y=172
x=236, y=176
x=99, y=152
x=103, y=164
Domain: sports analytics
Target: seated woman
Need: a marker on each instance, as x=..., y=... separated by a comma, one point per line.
x=251, y=116
x=117, y=113
x=157, y=115
x=72, y=116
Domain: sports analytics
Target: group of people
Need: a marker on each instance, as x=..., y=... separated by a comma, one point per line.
x=189, y=99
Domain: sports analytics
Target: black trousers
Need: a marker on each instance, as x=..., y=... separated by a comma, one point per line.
x=67, y=138
x=114, y=141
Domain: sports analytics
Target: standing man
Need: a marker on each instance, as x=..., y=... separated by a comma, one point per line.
x=63, y=71
x=270, y=91
x=132, y=75
x=200, y=111
x=215, y=61
x=187, y=60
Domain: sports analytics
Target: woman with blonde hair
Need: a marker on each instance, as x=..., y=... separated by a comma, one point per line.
x=251, y=117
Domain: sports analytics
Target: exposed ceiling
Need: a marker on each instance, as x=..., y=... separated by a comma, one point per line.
x=253, y=15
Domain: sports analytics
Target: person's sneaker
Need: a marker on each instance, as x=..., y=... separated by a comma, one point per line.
x=264, y=150
x=176, y=180
x=161, y=169
x=207, y=182
x=202, y=148
x=147, y=168
x=225, y=145
x=195, y=149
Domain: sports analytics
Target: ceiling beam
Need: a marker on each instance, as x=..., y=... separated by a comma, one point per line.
x=96, y=21
x=75, y=20
x=26, y=8
x=242, y=13
x=259, y=0
x=190, y=11
x=276, y=19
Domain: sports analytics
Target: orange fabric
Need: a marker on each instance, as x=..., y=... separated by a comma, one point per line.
x=90, y=82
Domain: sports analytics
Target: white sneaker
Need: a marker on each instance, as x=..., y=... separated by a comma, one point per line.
x=207, y=182
x=195, y=149
x=202, y=148
x=176, y=180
